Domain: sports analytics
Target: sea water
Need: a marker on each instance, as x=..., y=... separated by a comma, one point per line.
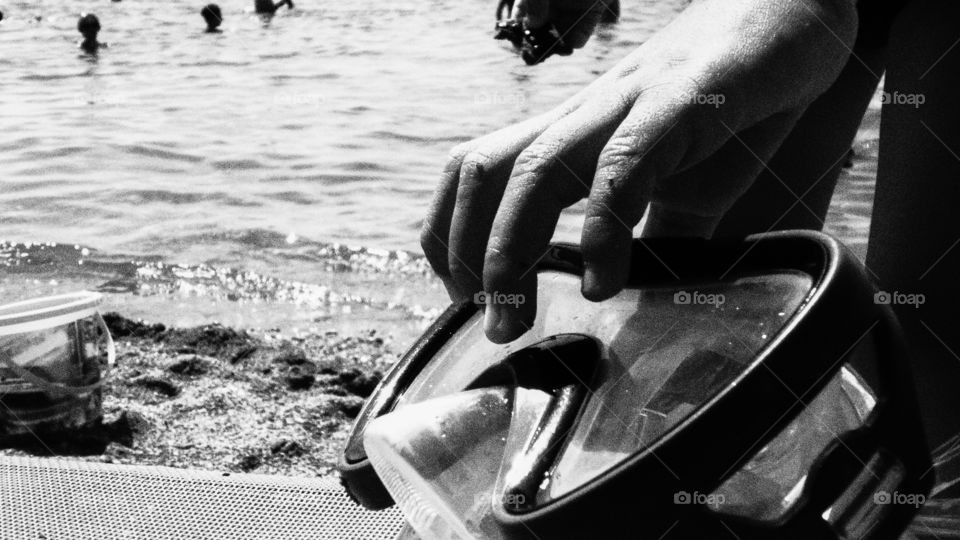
x=275, y=174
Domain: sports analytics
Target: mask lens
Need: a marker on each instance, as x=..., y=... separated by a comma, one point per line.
x=676, y=351
x=667, y=351
x=771, y=482
x=440, y=459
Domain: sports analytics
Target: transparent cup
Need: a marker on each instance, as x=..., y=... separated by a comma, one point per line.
x=55, y=353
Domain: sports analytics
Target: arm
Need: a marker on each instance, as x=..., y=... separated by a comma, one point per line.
x=913, y=247
x=794, y=189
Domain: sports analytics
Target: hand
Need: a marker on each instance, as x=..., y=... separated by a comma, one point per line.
x=575, y=20
x=684, y=124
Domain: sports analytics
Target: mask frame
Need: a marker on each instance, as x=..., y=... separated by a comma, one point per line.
x=822, y=335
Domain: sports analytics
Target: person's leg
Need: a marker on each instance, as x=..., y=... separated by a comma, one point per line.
x=914, y=245
x=808, y=163
x=611, y=12
x=264, y=6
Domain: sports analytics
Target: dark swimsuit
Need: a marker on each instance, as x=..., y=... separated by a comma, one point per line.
x=876, y=18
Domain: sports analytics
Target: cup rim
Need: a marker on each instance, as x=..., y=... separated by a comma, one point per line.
x=47, y=311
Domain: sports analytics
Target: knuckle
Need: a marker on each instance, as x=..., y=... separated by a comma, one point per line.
x=536, y=160
x=635, y=162
x=458, y=152
x=455, y=158
x=475, y=163
x=476, y=157
x=620, y=98
x=618, y=150
x=617, y=161
x=541, y=174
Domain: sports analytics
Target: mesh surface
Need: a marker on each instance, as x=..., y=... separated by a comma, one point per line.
x=72, y=500
x=55, y=499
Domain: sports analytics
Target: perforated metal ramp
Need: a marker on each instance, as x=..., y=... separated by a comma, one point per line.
x=53, y=499
x=71, y=500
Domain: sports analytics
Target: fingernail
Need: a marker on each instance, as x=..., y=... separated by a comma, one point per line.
x=491, y=321
x=503, y=324
x=592, y=285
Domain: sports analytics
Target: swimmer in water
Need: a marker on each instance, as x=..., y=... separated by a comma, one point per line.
x=89, y=27
x=267, y=7
x=211, y=14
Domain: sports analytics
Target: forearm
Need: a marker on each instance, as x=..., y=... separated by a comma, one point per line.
x=914, y=232
x=794, y=190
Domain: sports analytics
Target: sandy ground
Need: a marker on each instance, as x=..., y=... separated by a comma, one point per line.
x=216, y=398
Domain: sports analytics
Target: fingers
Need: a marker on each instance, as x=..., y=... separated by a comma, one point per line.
x=505, y=9
x=691, y=203
x=435, y=232
x=482, y=162
x=640, y=165
x=656, y=139
x=551, y=174
x=482, y=181
x=511, y=257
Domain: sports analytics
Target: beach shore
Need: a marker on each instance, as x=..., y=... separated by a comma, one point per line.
x=224, y=399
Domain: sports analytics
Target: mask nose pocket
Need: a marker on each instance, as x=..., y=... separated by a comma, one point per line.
x=448, y=461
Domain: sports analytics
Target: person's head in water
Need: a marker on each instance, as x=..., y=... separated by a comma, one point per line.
x=89, y=27
x=211, y=14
